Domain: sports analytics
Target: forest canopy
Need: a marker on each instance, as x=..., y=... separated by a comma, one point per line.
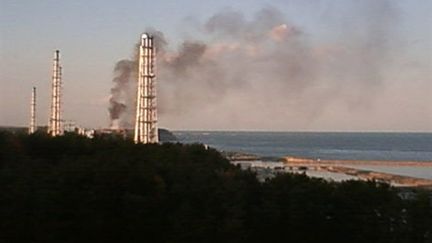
x=74, y=189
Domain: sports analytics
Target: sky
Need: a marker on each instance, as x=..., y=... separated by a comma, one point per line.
x=279, y=65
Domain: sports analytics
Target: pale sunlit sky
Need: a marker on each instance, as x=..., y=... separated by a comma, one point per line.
x=94, y=35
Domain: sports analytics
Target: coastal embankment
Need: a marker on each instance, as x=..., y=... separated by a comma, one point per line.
x=361, y=169
x=397, y=173
x=306, y=162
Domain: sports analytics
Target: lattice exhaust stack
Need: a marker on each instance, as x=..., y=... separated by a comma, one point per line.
x=55, y=126
x=32, y=127
x=146, y=130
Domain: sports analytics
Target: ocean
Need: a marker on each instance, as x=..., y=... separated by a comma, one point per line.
x=319, y=145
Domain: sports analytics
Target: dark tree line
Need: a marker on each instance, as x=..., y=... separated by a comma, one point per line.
x=74, y=189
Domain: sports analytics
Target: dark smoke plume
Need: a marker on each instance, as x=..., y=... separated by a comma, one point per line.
x=266, y=67
x=121, y=93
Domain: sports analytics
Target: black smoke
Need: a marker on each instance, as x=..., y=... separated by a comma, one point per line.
x=235, y=71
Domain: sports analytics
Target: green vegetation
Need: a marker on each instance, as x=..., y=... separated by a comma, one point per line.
x=73, y=189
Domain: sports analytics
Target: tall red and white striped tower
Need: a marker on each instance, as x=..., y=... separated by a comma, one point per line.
x=55, y=126
x=146, y=130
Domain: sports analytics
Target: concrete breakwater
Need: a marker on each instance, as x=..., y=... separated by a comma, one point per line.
x=345, y=167
x=306, y=161
x=336, y=169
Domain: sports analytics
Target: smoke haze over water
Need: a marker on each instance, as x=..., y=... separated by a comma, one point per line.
x=265, y=71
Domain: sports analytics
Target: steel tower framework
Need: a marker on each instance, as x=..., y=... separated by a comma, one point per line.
x=32, y=127
x=55, y=126
x=146, y=130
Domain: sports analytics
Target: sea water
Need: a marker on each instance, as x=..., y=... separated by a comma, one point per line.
x=319, y=145
x=326, y=146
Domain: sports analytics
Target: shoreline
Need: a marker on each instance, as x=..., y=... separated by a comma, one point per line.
x=347, y=167
x=352, y=168
x=306, y=161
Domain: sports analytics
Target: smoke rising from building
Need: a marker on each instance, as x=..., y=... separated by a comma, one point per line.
x=238, y=68
x=122, y=94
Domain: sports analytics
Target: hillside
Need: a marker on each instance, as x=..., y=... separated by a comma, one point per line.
x=74, y=189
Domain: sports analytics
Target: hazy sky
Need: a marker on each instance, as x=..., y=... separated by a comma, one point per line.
x=291, y=65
